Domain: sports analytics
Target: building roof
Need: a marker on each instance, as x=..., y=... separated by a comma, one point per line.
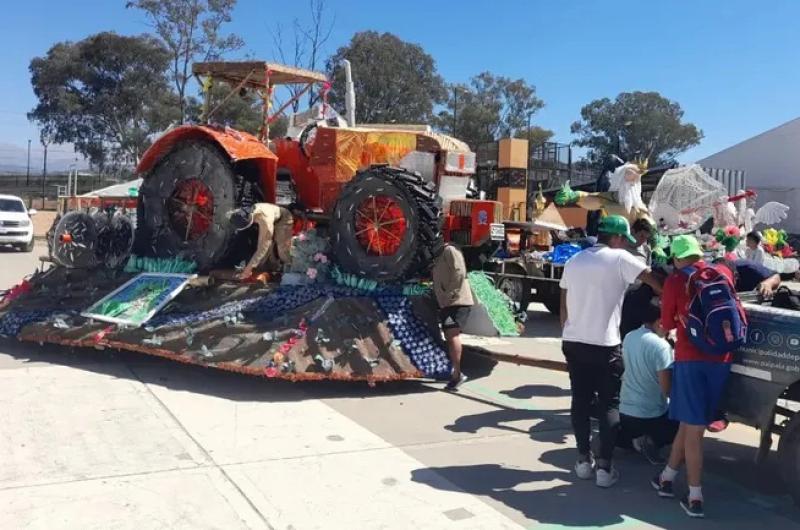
x=116, y=190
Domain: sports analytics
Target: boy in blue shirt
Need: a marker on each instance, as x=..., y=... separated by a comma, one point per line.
x=645, y=424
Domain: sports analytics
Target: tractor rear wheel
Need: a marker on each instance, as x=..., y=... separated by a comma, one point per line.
x=183, y=206
x=387, y=225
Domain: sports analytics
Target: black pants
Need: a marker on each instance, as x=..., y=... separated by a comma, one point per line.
x=595, y=373
x=660, y=429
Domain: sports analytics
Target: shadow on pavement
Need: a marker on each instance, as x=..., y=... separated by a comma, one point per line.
x=557, y=496
x=549, y=423
x=531, y=391
x=208, y=381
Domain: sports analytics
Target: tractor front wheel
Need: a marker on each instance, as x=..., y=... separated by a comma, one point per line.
x=183, y=206
x=387, y=225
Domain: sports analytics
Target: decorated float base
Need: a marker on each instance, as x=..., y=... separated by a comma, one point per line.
x=310, y=332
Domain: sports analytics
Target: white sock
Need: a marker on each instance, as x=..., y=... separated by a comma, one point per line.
x=695, y=493
x=669, y=474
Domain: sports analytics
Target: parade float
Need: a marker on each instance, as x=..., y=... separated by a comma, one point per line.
x=372, y=206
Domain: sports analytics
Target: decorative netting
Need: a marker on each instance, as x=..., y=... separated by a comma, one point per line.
x=685, y=198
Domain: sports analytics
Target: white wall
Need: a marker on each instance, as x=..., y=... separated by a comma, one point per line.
x=771, y=162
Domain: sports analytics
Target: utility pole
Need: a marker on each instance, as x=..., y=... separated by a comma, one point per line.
x=455, y=110
x=28, y=173
x=44, y=173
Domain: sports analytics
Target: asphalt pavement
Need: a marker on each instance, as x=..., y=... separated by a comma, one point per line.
x=102, y=439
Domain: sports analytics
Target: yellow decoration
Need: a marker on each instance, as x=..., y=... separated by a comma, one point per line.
x=540, y=202
x=771, y=236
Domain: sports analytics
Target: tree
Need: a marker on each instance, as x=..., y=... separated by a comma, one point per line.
x=488, y=108
x=305, y=48
x=536, y=136
x=635, y=125
x=242, y=111
x=107, y=94
x=190, y=30
x=395, y=81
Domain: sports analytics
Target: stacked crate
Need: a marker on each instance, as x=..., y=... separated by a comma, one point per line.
x=512, y=178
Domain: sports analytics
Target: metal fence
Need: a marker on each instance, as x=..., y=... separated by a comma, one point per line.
x=732, y=179
x=549, y=164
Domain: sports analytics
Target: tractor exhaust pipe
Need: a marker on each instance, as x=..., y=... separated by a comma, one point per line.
x=350, y=94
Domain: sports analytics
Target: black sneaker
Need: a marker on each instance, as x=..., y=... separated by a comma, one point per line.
x=693, y=508
x=663, y=487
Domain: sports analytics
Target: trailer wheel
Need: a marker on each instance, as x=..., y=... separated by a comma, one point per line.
x=789, y=457
x=517, y=289
x=183, y=206
x=387, y=225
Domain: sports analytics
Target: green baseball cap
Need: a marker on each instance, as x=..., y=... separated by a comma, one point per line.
x=685, y=246
x=616, y=225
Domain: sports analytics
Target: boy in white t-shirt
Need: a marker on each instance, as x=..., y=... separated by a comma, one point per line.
x=592, y=288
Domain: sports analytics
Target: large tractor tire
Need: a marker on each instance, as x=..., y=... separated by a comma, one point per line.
x=387, y=225
x=183, y=206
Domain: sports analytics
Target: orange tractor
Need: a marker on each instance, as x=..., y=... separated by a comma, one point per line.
x=378, y=189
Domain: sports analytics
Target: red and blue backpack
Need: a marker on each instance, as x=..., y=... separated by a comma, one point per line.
x=716, y=322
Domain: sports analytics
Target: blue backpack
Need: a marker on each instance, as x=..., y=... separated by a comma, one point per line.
x=716, y=323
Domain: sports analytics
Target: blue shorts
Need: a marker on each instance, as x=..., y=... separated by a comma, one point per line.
x=697, y=388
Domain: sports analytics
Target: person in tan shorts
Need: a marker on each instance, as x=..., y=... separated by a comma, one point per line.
x=454, y=297
x=274, y=227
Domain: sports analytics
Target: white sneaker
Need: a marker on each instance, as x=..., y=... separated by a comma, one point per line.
x=584, y=469
x=606, y=479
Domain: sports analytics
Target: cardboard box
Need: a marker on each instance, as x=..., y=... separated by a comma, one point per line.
x=514, y=203
x=513, y=153
x=512, y=178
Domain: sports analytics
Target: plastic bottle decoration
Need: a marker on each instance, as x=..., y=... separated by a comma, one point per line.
x=497, y=304
x=415, y=339
x=324, y=363
x=12, y=322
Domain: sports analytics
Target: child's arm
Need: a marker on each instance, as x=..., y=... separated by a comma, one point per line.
x=665, y=381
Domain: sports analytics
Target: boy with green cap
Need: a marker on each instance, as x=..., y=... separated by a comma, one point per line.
x=592, y=288
x=698, y=378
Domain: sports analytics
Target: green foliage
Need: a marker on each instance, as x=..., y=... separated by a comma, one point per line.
x=106, y=94
x=490, y=107
x=190, y=31
x=536, y=136
x=635, y=125
x=241, y=111
x=395, y=81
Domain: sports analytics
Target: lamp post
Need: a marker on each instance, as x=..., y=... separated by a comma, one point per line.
x=28, y=173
